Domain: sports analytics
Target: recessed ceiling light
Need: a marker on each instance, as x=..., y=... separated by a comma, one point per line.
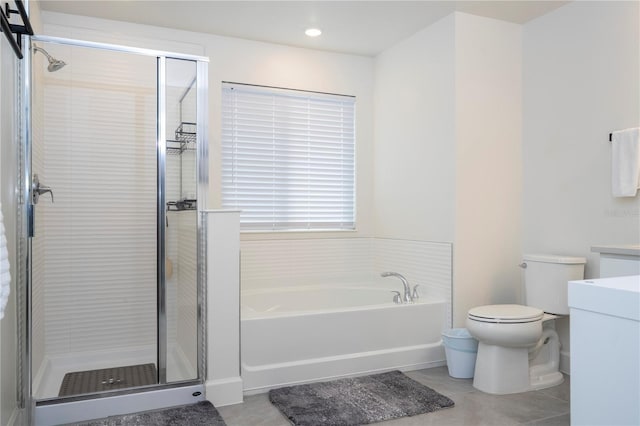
x=313, y=32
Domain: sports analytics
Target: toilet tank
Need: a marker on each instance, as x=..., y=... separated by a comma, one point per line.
x=545, y=279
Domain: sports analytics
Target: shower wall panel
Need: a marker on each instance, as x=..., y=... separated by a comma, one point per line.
x=171, y=247
x=295, y=262
x=188, y=114
x=172, y=193
x=187, y=292
x=181, y=235
x=99, y=239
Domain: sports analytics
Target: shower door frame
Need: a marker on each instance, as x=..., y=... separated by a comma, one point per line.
x=82, y=407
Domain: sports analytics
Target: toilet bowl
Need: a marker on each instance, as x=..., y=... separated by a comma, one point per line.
x=517, y=350
x=518, y=347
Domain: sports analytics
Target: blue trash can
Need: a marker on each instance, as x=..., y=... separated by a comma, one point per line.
x=461, y=350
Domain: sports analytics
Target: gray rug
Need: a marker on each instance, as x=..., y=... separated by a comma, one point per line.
x=357, y=401
x=79, y=382
x=200, y=414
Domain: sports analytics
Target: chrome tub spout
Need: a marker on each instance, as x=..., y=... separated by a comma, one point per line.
x=407, y=298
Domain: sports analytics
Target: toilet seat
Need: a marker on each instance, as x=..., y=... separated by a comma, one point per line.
x=505, y=314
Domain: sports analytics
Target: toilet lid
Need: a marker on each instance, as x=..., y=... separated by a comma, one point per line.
x=505, y=313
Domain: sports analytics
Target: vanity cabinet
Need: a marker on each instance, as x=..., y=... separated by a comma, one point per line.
x=605, y=341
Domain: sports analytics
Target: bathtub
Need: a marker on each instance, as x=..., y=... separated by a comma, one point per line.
x=311, y=333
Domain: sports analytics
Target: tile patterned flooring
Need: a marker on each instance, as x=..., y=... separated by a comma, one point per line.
x=547, y=407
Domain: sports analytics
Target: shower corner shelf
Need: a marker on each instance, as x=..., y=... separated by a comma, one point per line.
x=181, y=205
x=185, y=139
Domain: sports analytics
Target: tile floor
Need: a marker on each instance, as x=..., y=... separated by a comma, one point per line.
x=548, y=407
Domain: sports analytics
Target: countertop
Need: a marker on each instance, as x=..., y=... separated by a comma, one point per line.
x=625, y=249
x=617, y=296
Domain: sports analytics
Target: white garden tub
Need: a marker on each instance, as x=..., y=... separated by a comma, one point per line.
x=304, y=334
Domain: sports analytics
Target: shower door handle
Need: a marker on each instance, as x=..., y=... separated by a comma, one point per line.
x=37, y=189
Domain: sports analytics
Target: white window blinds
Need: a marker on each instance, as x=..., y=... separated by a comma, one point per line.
x=288, y=158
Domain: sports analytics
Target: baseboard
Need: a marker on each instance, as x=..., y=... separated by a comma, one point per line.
x=224, y=391
x=565, y=362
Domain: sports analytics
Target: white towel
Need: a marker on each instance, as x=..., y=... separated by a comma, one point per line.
x=625, y=162
x=5, y=276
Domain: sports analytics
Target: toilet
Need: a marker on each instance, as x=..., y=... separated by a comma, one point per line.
x=518, y=347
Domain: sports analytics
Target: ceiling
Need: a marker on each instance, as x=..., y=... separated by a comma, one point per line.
x=356, y=27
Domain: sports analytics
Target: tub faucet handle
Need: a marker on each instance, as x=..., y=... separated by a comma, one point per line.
x=397, y=298
x=414, y=293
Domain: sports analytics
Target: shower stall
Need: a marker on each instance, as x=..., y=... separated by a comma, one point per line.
x=114, y=177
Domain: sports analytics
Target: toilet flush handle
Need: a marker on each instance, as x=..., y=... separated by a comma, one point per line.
x=523, y=265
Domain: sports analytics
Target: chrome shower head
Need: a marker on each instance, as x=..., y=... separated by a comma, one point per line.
x=54, y=64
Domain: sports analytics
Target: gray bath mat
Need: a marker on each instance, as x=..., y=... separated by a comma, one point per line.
x=80, y=382
x=200, y=414
x=357, y=401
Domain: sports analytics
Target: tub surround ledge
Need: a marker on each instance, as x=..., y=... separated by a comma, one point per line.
x=224, y=384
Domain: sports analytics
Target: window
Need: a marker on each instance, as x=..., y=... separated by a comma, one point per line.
x=288, y=158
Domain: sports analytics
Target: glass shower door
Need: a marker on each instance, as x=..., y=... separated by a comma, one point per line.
x=181, y=221
x=116, y=163
x=94, y=250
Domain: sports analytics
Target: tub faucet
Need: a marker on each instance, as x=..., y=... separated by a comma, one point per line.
x=407, y=288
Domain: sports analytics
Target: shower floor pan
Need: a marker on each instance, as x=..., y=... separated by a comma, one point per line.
x=90, y=381
x=50, y=374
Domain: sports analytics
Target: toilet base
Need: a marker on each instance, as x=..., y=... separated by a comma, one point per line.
x=546, y=380
x=501, y=370
x=545, y=360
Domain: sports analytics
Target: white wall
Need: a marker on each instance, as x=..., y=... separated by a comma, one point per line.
x=488, y=93
x=415, y=133
x=447, y=150
x=581, y=82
